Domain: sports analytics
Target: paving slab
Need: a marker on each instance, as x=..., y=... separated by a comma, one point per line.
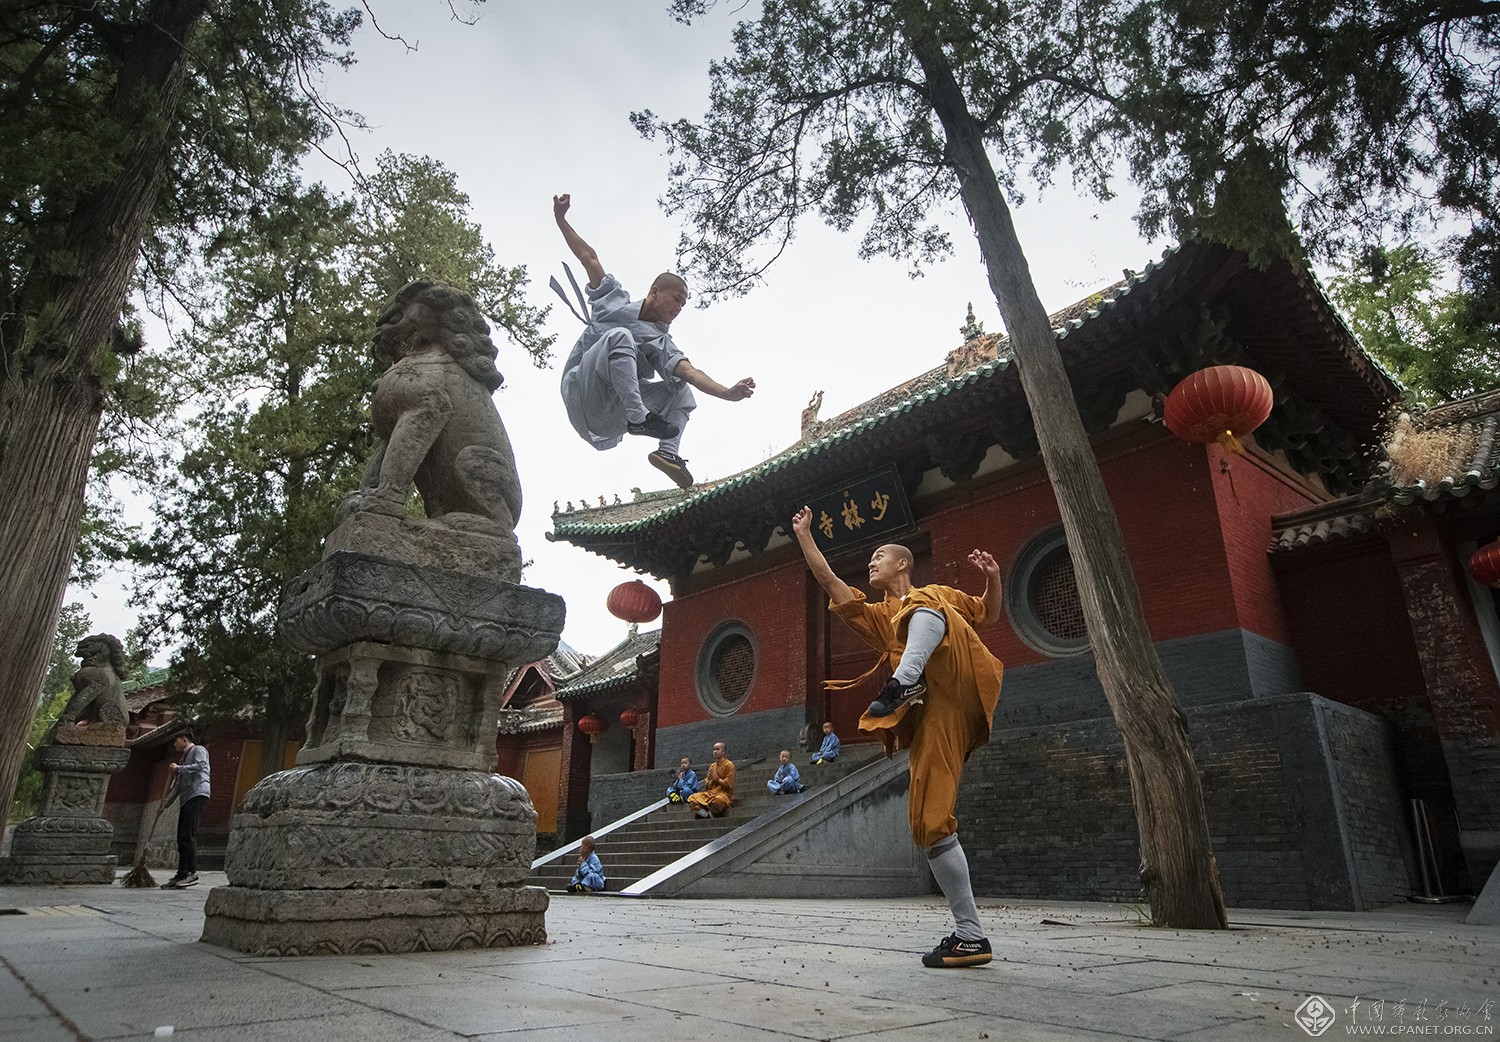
x=84, y=963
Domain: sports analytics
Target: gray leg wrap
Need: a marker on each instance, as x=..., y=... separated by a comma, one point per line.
x=950, y=867
x=924, y=631
x=623, y=374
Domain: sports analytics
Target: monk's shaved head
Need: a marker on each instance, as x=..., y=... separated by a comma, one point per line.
x=900, y=553
x=669, y=281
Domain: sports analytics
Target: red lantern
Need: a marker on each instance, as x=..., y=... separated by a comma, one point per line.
x=1484, y=566
x=634, y=602
x=1221, y=403
x=593, y=725
x=629, y=718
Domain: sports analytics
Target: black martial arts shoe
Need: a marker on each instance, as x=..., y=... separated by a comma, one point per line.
x=653, y=426
x=953, y=952
x=673, y=466
x=895, y=695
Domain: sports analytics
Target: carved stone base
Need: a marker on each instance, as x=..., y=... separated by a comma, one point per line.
x=90, y=734
x=463, y=543
x=60, y=850
x=349, y=597
x=68, y=842
x=358, y=922
x=377, y=826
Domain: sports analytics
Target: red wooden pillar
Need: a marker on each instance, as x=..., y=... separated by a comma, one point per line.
x=573, y=784
x=643, y=735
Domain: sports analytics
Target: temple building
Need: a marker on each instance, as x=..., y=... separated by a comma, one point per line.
x=1308, y=598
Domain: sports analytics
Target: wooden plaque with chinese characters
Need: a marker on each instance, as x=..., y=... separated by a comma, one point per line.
x=866, y=510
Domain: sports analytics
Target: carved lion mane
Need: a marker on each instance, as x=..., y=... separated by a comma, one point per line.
x=457, y=322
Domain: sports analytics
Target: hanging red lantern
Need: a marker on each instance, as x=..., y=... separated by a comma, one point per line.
x=1484, y=566
x=628, y=718
x=1222, y=403
x=593, y=725
x=634, y=602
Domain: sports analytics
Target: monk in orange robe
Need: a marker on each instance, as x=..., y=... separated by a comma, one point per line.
x=939, y=704
x=717, y=794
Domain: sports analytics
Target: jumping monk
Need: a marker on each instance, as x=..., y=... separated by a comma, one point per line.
x=938, y=704
x=625, y=375
x=717, y=794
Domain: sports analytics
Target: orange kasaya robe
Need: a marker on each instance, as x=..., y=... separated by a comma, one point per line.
x=954, y=718
x=717, y=794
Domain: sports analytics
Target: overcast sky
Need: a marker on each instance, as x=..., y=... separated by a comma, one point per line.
x=533, y=100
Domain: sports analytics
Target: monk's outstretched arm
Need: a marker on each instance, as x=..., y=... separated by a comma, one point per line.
x=736, y=392
x=838, y=591
x=991, y=596
x=582, y=250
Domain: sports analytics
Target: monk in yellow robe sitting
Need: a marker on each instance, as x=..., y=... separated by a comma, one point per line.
x=717, y=794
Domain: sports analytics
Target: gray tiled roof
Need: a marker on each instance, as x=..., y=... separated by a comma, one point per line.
x=1472, y=442
x=1474, y=462
x=617, y=666
x=1324, y=523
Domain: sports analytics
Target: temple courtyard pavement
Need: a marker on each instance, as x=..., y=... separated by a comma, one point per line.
x=109, y=963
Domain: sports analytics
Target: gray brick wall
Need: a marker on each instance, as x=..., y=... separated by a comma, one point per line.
x=1215, y=668
x=753, y=740
x=746, y=736
x=1297, y=791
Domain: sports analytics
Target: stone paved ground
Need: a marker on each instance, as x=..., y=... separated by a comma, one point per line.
x=104, y=963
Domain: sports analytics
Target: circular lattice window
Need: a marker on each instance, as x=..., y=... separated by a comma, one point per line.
x=726, y=669
x=1042, y=597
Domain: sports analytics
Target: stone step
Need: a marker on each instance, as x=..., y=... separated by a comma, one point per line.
x=644, y=846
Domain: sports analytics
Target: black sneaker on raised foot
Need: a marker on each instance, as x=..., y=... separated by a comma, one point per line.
x=191, y=879
x=953, y=952
x=673, y=466
x=653, y=426
x=895, y=695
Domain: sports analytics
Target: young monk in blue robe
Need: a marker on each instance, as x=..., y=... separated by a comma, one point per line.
x=829, y=750
x=786, y=781
x=684, y=784
x=589, y=876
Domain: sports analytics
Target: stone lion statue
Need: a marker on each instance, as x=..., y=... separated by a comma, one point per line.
x=97, y=698
x=432, y=411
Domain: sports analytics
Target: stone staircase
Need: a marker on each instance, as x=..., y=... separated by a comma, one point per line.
x=662, y=833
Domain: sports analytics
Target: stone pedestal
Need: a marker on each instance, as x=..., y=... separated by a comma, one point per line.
x=393, y=833
x=69, y=841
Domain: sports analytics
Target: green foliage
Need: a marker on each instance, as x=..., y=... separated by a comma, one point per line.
x=1368, y=120
x=1418, y=330
x=268, y=386
x=822, y=108
x=72, y=626
x=78, y=104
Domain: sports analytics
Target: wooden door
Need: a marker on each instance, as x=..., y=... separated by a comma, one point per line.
x=540, y=773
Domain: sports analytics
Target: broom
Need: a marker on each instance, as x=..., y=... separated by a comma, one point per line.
x=138, y=878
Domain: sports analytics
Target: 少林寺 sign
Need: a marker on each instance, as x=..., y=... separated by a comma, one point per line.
x=867, y=509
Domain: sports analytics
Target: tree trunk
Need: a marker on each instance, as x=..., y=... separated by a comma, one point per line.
x=52, y=399
x=272, y=742
x=1178, y=871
